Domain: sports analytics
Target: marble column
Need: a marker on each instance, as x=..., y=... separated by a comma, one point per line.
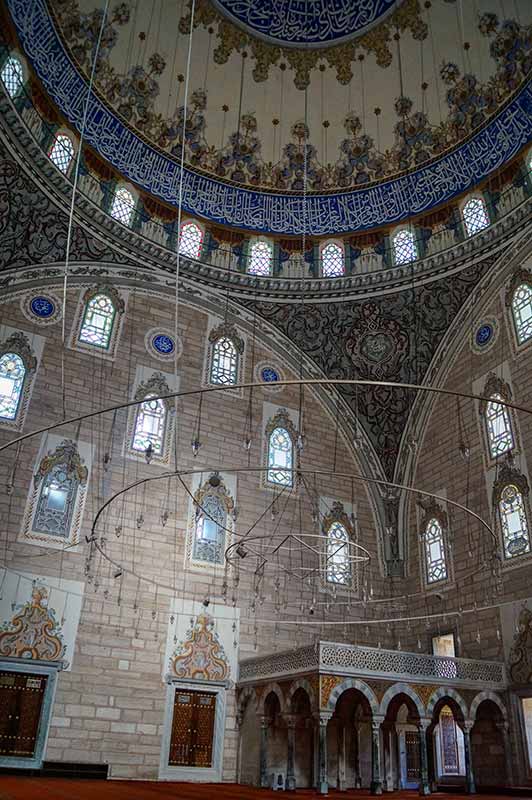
x=424, y=787
x=470, y=776
x=290, y=720
x=264, y=725
x=356, y=756
x=322, y=720
x=238, y=720
x=504, y=729
x=340, y=775
x=388, y=781
x=376, y=780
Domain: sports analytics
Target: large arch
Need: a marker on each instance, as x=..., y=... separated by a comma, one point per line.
x=487, y=695
x=401, y=688
x=268, y=689
x=443, y=692
x=302, y=683
x=353, y=683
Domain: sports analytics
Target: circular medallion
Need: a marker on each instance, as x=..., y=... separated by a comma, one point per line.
x=43, y=309
x=268, y=374
x=298, y=23
x=484, y=335
x=161, y=344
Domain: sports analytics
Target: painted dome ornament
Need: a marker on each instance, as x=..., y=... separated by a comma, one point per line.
x=485, y=335
x=42, y=309
x=162, y=345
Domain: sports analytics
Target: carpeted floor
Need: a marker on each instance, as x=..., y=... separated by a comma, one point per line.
x=14, y=787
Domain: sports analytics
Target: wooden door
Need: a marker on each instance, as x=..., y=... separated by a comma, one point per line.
x=21, y=698
x=412, y=755
x=191, y=742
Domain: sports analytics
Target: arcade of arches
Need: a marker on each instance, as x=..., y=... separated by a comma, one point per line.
x=266, y=396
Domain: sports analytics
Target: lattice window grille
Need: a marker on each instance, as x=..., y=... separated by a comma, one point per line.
x=475, y=215
x=12, y=76
x=499, y=427
x=123, y=206
x=522, y=312
x=224, y=362
x=98, y=320
x=332, y=260
x=404, y=247
x=436, y=565
x=191, y=240
x=516, y=538
x=12, y=374
x=56, y=503
x=260, y=258
x=150, y=425
x=62, y=152
x=280, y=458
x=338, y=569
x=209, y=531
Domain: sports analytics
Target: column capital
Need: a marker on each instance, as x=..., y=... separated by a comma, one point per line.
x=424, y=723
x=265, y=721
x=468, y=724
x=504, y=725
x=377, y=720
x=322, y=717
x=290, y=719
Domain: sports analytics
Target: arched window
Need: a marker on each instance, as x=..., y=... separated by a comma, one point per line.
x=209, y=531
x=522, y=312
x=150, y=423
x=224, y=362
x=338, y=561
x=123, y=206
x=61, y=152
x=434, y=546
x=191, y=240
x=475, y=215
x=12, y=76
x=514, y=523
x=280, y=457
x=498, y=427
x=260, y=258
x=12, y=374
x=404, y=247
x=98, y=321
x=59, y=478
x=332, y=260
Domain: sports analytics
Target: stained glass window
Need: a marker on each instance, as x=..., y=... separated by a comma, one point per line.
x=516, y=539
x=190, y=240
x=435, y=560
x=475, y=215
x=499, y=427
x=280, y=457
x=522, y=312
x=404, y=247
x=209, y=531
x=123, y=206
x=260, y=258
x=62, y=152
x=12, y=76
x=338, y=566
x=98, y=321
x=150, y=423
x=332, y=260
x=224, y=362
x=12, y=374
x=56, y=502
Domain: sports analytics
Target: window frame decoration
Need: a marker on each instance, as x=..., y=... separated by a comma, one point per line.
x=337, y=515
x=404, y=229
x=225, y=330
x=510, y=477
x=341, y=247
x=187, y=223
x=518, y=278
x=121, y=188
x=18, y=343
x=64, y=453
x=61, y=135
x=433, y=512
x=119, y=303
x=14, y=57
x=216, y=486
x=153, y=386
x=472, y=227
x=280, y=420
x=495, y=386
x=257, y=242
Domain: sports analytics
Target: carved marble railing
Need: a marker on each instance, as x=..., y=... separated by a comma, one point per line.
x=354, y=660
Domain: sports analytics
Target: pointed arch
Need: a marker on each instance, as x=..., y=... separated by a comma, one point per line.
x=404, y=248
x=487, y=695
x=191, y=239
x=443, y=692
x=353, y=683
x=61, y=152
x=123, y=205
x=475, y=215
x=401, y=688
x=12, y=75
x=269, y=689
x=260, y=257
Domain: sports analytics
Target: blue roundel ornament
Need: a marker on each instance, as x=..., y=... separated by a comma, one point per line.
x=163, y=344
x=269, y=375
x=42, y=307
x=484, y=335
